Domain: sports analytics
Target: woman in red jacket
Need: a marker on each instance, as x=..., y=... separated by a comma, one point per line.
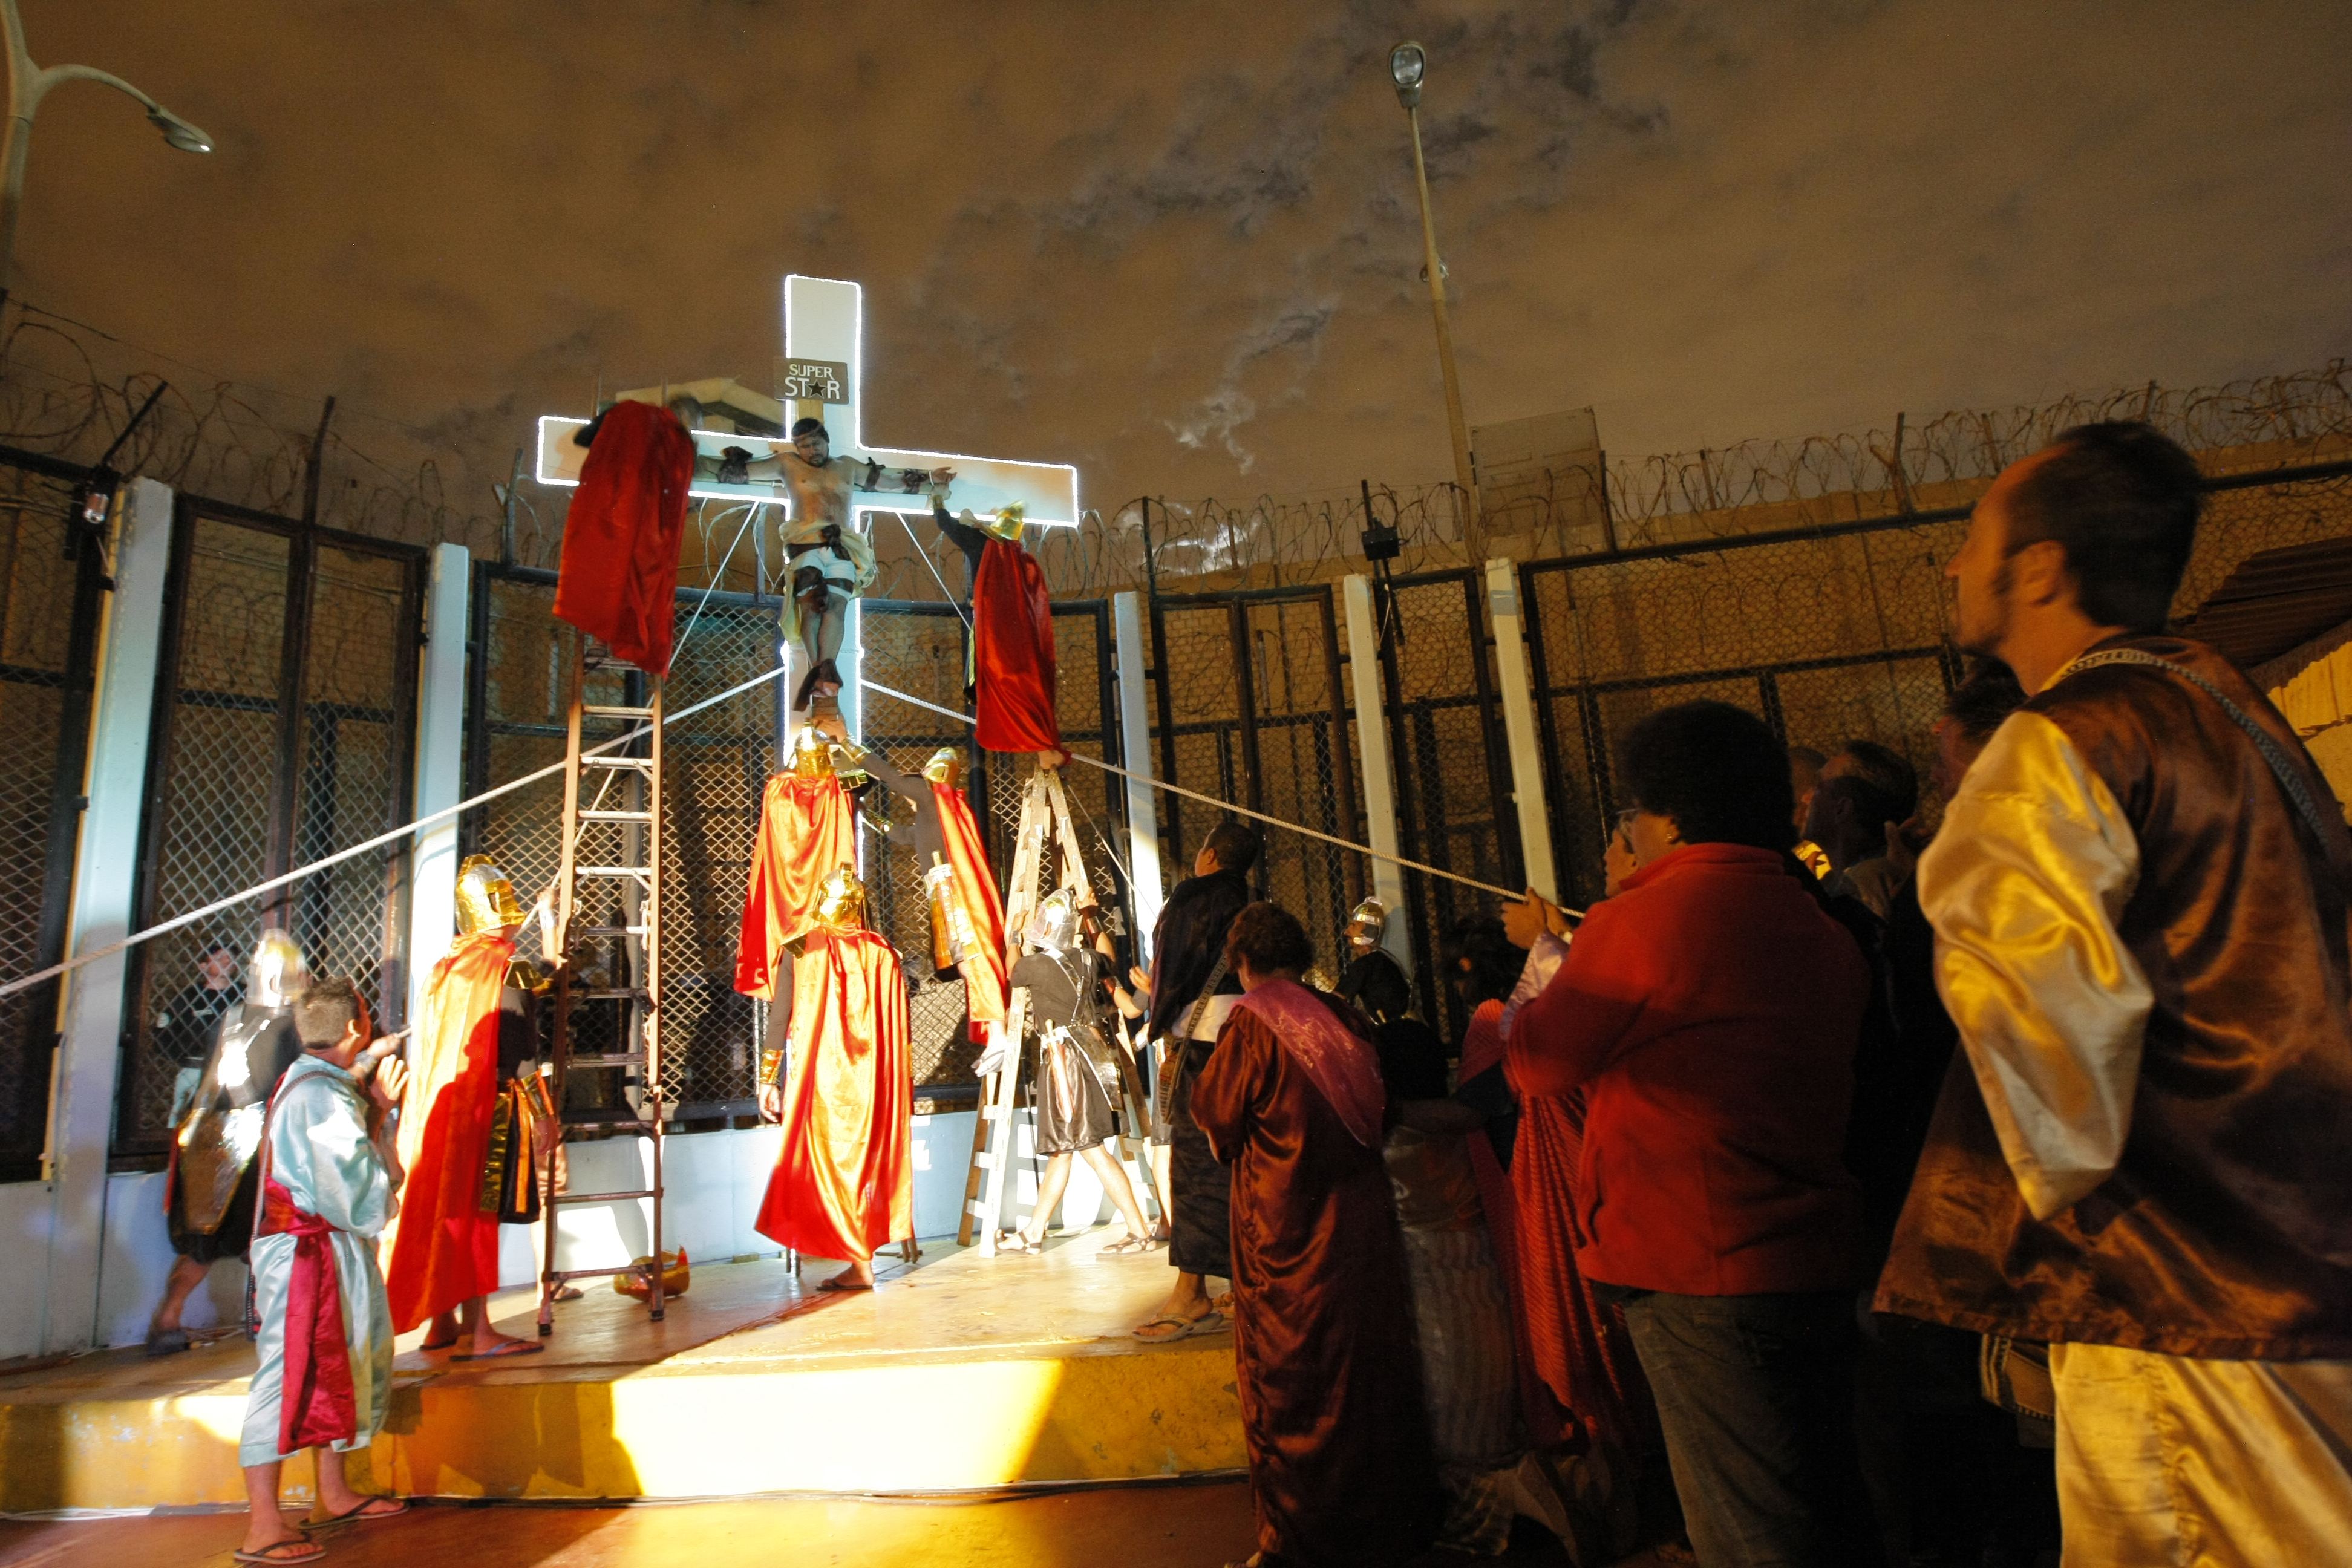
x=1709, y=1013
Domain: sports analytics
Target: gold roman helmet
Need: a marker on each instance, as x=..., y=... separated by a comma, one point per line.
x=840, y=901
x=945, y=767
x=1055, y=927
x=277, y=971
x=1005, y=526
x=811, y=756
x=1367, y=922
x=486, y=900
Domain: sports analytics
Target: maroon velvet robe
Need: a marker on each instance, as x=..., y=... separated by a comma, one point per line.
x=1328, y=1371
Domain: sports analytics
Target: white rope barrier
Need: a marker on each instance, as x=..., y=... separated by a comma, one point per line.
x=382, y=840
x=1228, y=805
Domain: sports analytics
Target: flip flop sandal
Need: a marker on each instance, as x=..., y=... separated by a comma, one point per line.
x=438, y=1344
x=369, y=1509
x=284, y=1553
x=1206, y=1324
x=170, y=1342
x=835, y=1284
x=505, y=1352
x=1130, y=1247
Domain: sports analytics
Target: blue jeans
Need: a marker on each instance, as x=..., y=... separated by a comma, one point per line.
x=1755, y=1397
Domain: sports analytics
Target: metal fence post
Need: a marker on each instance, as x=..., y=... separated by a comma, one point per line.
x=81, y=1116
x=1519, y=726
x=1135, y=746
x=1373, y=750
x=440, y=754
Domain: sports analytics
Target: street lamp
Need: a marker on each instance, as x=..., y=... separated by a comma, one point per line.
x=27, y=84
x=1408, y=64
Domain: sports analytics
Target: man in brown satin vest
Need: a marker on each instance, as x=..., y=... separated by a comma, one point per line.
x=2139, y=896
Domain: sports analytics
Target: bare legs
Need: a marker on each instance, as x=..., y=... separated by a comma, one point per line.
x=1056, y=1181
x=470, y=1321
x=266, y=1525
x=186, y=1275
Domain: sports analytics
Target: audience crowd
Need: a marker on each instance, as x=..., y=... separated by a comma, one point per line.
x=1848, y=1187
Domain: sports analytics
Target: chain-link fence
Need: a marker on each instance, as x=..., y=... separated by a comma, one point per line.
x=48, y=614
x=1451, y=765
x=284, y=722
x=1830, y=635
x=1248, y=705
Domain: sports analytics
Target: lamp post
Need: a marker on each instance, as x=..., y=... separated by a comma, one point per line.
x=1408, y=63
x=27, y=84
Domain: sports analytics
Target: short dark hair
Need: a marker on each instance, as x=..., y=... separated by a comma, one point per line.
x=1879, y=780
x=2121, y=498
x=1234, y=846
x=1267, y=937
x=1986, y=695
x=1493, y=964
x=325, y=1010
x=804, y=426
x=1718, y=770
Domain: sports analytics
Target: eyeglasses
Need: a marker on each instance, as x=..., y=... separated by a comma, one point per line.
x=1622, y=828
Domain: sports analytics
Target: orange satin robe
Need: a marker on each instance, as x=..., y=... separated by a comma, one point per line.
x=444, y=1249
x=844, y=1181
x=985, y=989
x=805, y=832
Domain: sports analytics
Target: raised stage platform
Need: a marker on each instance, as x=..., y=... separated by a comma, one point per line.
x=963, y=1373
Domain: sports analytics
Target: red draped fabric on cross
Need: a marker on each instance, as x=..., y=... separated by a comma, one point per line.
x=618, y=577
x=1012, y=653
x=317, y=1404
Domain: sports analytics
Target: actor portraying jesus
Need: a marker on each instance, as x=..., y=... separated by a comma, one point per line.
x=829, y=561
x=445, y=1251
x=323, y=1379
x=844, y=1179
x=1327, y=1373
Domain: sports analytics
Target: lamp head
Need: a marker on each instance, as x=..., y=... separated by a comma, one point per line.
x=178, y=132
x=1408, y=63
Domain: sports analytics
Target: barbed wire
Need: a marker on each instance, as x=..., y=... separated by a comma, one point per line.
x=66, y=389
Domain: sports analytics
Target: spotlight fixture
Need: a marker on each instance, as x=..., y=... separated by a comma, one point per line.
x=1408, y=62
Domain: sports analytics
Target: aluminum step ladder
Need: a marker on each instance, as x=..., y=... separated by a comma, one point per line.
x=609, y=903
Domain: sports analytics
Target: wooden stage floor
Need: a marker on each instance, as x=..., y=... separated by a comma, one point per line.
x=961, y=1374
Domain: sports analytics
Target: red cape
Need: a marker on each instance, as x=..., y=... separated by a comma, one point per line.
x=844, y=1179
x=618, y=578
x=1012, y=653
x=984, y=994
x=443, y=1249
x=805, y=832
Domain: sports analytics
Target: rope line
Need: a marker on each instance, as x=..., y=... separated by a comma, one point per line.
x=393, y=836
x=1228, y=805
x=380, y=841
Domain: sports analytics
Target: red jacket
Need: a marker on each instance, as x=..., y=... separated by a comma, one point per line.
x=1710, y=1013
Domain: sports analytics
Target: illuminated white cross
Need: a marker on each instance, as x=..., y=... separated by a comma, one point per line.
x=824, y=325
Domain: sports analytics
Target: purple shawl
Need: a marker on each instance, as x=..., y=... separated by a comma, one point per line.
x=1338, y=1060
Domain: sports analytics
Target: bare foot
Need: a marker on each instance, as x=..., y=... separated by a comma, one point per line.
x=858, y=1275
x=270, y=1539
